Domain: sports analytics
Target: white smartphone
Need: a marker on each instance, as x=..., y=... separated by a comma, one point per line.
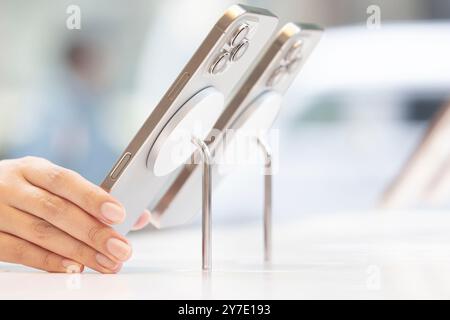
x=256, y=104
x=208, y=80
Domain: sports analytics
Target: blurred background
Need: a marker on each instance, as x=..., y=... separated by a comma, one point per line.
x=350, y=120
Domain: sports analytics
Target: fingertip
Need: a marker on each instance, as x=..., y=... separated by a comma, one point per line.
x=72, y=266
x=143, y=221
x=118, y=269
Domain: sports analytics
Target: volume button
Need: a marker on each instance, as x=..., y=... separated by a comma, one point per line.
x=120, y=166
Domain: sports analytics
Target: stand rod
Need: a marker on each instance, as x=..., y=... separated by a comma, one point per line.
x=267, y=199
x=206, y=203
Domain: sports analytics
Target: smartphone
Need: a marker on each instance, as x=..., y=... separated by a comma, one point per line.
x=256, y=104
x=211, y=75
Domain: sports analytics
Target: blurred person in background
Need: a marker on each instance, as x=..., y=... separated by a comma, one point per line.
x=68, y=115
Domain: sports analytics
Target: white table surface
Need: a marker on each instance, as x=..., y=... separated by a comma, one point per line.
x=351, y=255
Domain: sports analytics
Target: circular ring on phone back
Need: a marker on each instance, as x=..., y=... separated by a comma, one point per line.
x=255, y=121
x=196, y=117
x=260, y=114
x=257, y=117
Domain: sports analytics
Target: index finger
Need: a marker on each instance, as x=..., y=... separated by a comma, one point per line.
x=73, y=187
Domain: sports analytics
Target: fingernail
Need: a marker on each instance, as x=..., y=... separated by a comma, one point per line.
x=112, y=212
x=71, y=266
x=118, y=249
x=142, y=222
x=117, y=270
x=107, y=263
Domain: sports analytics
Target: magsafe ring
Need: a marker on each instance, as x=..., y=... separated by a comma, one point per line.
x=260, y=115
x=196, y=117
x=257, y=118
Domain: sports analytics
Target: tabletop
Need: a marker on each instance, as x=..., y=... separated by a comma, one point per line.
x=359, y=255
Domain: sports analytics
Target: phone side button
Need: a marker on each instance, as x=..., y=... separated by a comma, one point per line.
x=120, y=166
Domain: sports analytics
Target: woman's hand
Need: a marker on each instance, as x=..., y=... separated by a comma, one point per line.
x=54, y=220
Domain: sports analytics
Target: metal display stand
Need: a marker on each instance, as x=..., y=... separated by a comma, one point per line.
x=207, y=195
x=206, y=203
x=267, y=199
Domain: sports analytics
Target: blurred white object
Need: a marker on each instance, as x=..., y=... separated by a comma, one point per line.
x=396, y=57
x=383, y=65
